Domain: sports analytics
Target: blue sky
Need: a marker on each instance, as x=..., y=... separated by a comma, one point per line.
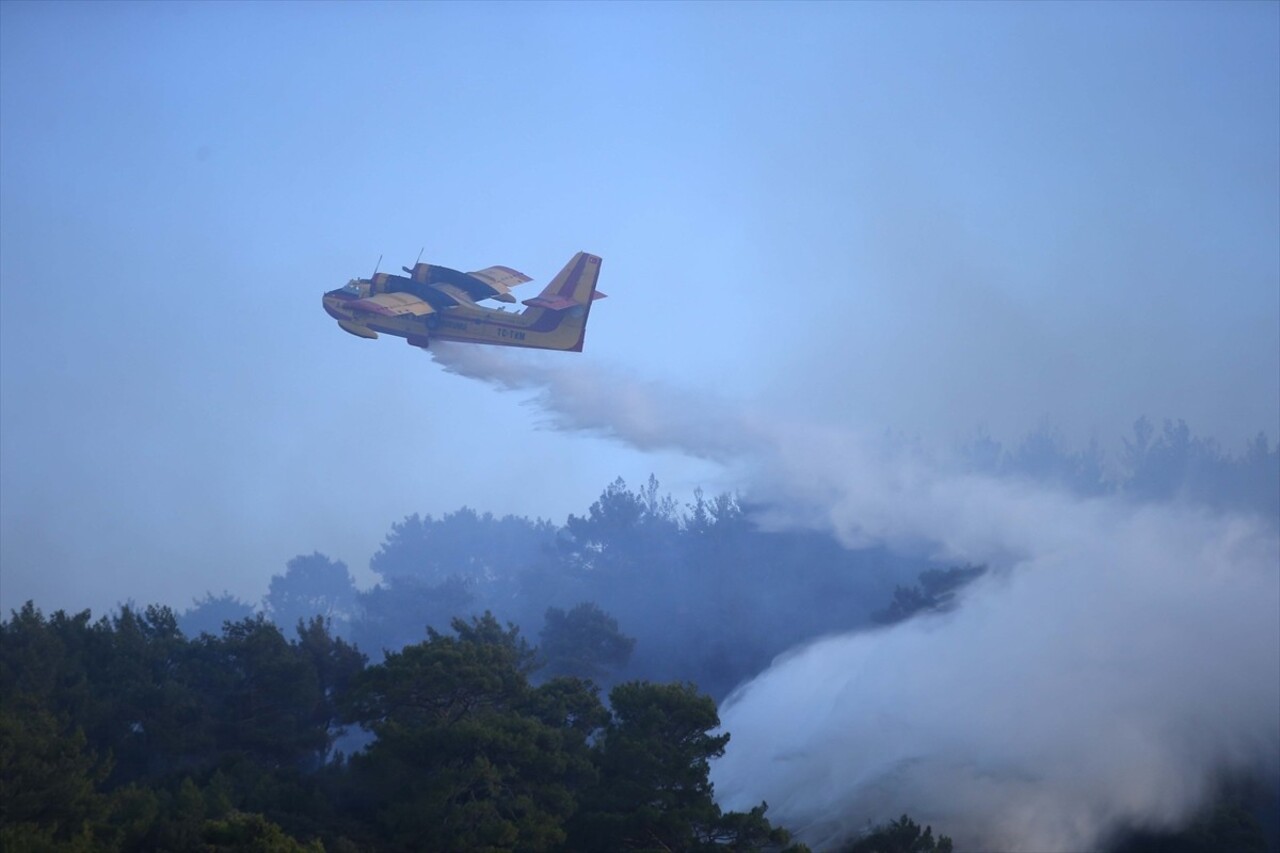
x=919, y=217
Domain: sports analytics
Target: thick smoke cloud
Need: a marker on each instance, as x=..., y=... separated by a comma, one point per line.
x=1101, y=680
x=1117, y=661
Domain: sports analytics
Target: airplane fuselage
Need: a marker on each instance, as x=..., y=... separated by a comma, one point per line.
x=440, y=309
x=473, y=323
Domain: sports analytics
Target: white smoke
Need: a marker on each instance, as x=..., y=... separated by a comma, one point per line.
x=1103, y=680
x=644, y=415
x=1118, y=659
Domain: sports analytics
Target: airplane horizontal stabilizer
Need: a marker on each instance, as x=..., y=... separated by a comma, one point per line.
x=551, y=303
x=558, y=303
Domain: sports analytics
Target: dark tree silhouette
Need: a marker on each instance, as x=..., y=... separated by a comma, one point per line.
x=207, y=615
x=583, y=642
x=312, y=585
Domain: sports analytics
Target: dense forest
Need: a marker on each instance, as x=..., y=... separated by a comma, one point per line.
x=122, y=734
x=507, y=684
x=705, y=595
x=637, y=588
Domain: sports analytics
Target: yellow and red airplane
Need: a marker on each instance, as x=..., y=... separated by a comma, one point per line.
x=438, y=303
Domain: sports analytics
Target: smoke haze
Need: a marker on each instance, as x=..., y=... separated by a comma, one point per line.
x=1118, y=659
x=935, y=217
x=643, y=414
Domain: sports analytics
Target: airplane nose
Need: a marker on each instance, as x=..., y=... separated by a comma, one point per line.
x=330, y=307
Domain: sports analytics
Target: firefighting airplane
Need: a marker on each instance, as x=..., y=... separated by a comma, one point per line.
x=435, y=303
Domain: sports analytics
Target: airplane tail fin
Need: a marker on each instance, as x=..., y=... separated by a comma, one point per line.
x=575, y=286
x=564, y=306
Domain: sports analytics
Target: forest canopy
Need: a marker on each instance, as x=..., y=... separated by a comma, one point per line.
x=417, y=714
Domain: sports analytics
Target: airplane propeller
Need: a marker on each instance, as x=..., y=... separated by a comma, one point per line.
x=415, y=263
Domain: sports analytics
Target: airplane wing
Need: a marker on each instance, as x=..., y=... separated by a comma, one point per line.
x=392, y=304
x=500, y=278
x=454, y=293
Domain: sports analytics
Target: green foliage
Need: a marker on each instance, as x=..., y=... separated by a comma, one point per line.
x=570, y=704
x=399, y=610
x=661, y=732
x=901, y=836
x=47, y=661
x=264, y=693
x=124, y=734
x=120, y=679
x=584, y=642
x=170, y=711
x=239, y=832
x=182, y=814
x=445, y=678
x=336, y=664
x=935, y=592
x=194, y=819
x=468, y=756
x=654, y=792
x=654, y=763
x=743, y=831
x=146, y=707
x=48, y=780
x=134, y=814
x=225, y=739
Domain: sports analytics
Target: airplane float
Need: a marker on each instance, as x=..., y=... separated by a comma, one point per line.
x=434, y=303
